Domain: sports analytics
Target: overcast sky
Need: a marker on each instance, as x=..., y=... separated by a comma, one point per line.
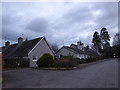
x=60, y=22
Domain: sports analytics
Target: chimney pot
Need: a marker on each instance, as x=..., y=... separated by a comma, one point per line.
x=20, y=40
x=7, y=43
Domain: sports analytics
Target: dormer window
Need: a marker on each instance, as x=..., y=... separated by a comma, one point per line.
x=34, y=58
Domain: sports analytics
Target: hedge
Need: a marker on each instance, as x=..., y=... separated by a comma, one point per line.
x=15, y=62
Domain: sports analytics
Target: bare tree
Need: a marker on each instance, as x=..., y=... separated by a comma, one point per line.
x=55, y=47
x=116, y=39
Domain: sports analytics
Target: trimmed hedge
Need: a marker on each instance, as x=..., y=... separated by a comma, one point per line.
x=15, y=62
x=69, y=61
x=45, y=61
x=64, y=63
x=66, y=57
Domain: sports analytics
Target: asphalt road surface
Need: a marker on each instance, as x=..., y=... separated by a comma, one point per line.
x=100, y=75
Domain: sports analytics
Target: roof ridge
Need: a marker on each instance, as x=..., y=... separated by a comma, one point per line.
x=33, y=39
x=15, y=49
x=24, y=41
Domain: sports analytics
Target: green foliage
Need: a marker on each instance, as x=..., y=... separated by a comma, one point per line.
x=116, y=50
x=15, y=62
x=64, y=63
x=69, y=61
x=77, y=60
x=89, y=60
x=10, y=63
x=45, y=61
x=67, y=57
x=96, y=38
x=107, y=53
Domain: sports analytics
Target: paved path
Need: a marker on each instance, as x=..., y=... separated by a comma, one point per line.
x=100, y=75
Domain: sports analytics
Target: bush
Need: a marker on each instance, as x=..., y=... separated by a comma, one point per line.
x=64, y=63
x=45, y=61
x=10, y=63
x=89, y=60
x=76, y=60
x=24, y=63
x=67, y=57
x=16, y=62
x=79, y=61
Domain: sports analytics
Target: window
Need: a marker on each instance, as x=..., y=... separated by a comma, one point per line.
x=34, y=58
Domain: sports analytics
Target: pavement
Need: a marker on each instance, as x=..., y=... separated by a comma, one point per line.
x=99, y=75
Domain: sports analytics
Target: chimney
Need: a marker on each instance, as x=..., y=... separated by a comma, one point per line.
x=20, y=40
x=7, y=44
x=87, y=46
x=80, y=45
x=26, y=39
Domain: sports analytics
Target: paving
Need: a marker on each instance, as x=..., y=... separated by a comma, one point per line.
x=99, y=75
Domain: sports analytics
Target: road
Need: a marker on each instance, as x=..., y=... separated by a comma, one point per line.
x=100, y=75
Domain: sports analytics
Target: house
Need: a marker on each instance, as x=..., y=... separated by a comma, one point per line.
x=74, y=50
x=31, y=49
x=90, y=52
x=69, y=51
x=0, y=62
x=77, y=51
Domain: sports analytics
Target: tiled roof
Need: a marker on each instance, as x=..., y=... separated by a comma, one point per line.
x=73, y=45
x=86, y=51
x=90, y=52
x=75, y=50
x=21, y=50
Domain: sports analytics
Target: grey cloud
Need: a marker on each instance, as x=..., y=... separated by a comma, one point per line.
x=79, y=15
x=38, y=25
x=85, y=14
x=68, y=28
x=109, y=13
x=6, y=20
x=119, y=17
x=9, y=33
x=9, y=19
x=10, y=27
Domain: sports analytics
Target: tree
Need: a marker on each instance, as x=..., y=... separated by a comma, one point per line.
x=106, y=48
x=105, y=38
x=96, y=41
x=104, y=35
x=116, y=45
x=116, y=39
x=55, y=47
x=101, y=43
x=116, y=50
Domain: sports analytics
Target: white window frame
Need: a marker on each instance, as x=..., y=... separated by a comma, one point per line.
x=34, y=60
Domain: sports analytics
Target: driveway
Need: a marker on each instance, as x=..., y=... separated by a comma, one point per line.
x=100, y=75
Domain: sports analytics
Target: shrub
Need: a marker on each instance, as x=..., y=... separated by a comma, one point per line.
x=76, y=60
x=67, y=57
x=24, y=63
x=64, y=63
x=10, y=63
x=79, y=61
x=89, y=60
x=45, y=61
x=13, y=62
